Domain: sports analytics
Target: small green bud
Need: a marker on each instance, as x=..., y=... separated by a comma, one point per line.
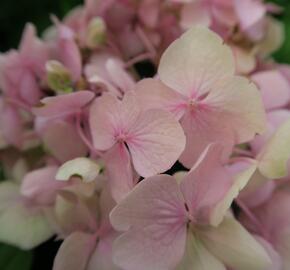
x=96, y=33
x=58, y=77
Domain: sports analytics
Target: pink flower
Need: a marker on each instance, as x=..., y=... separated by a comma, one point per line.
x=252, y=17
x=41, y=186
x=108, y=72
x=21, y=70
x=63, y=105
x=168, y=224
x=274, y=87
x=68, y=51
x=197, y=84
x=273, y=217
x=89, y=243
x=154, y=138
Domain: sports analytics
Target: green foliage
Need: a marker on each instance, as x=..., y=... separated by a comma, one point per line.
x=283, y=55
x=14, y=15
x=12, y=258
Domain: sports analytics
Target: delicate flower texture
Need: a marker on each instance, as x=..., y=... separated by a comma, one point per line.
x=271, y=162
x=109, y=73
x=197, y=83
x=41, y=186
x=274, y=219
x=89, y=244
x=251, y=14
x=162, y=219
x=69, y=52
x=23, y=223
x=145, y=134
x=269, y=83
x=21, y=70
x=154, y=138
x=63, y=105
x=85, y=168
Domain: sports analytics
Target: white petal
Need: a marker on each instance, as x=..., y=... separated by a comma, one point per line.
x=86, y=168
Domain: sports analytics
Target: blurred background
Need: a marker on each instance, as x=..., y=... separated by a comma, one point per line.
x=13, y=16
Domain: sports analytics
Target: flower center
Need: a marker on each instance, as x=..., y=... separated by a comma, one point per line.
x=192, y=104
x=121, y=137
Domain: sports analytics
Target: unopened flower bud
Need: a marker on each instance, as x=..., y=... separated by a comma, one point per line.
x=58, y=77
x=96, y=33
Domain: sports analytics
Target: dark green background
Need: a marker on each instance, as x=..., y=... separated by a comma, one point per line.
x=13, y=16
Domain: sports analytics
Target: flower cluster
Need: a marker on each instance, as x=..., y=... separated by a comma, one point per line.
x=149, y=134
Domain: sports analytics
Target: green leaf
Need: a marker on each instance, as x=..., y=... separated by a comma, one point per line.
x=283, y=54
x=12, y=258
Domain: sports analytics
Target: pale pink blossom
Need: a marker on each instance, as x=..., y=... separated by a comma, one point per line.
x=89, y=243
x=154, y=138
x=197, y=84
x=274, y=219
x=166, y=224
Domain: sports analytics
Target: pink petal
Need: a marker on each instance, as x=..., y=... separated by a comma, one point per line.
x=224, y=12
x=104, y=84
x=11, y=125
x=153, y=94
x=242, y=107
x=41, y=186
x=154, y=214
x=107, y=203
x=232, y=113
x=74, y=252
x=110, y=118
x=63, y=105
x=275, y=89
x=195, y=13
x=63, y=142
x=259, y=196
x=27, y=40
x=29, y=89
x=148, y=12
x=69, y=52
x=157, y=141
x=109, y=72
x=156, y=248
x=199, y=136
x=102, y=258
x=206, y=185
x=119, y=76
x=274, y=215
x=162, y=191
x=119, y=169
x=195, y=61
x=284, y=248
x=251, y=14
x=33, y=53
x=73, y=214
